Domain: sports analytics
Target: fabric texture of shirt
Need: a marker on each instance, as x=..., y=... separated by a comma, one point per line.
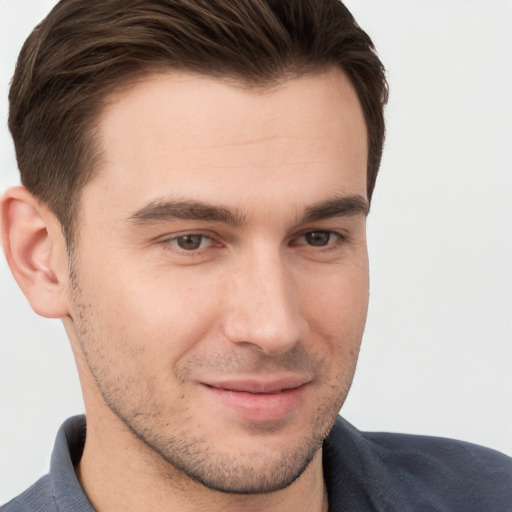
x=363, y=472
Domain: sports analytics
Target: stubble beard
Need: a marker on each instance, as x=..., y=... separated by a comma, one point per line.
x=216, y=469
x=192, y=455
x=230, y=474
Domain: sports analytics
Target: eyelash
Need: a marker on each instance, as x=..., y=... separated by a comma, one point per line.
x=339, y=239
x=204, y=236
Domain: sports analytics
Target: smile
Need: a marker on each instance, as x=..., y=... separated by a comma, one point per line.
x=260, y=401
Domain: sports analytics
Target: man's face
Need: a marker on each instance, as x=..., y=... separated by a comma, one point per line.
x=220, y=276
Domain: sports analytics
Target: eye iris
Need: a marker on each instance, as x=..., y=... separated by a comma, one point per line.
x=189, y=242
x=318, y=238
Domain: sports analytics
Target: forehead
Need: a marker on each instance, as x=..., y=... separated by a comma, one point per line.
x=196, y=136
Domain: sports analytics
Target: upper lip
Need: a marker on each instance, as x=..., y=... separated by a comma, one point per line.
x=259, y=385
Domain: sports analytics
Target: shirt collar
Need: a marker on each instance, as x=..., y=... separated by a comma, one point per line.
x=67, y=452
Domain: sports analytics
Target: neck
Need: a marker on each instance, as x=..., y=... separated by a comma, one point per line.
x=120, y=473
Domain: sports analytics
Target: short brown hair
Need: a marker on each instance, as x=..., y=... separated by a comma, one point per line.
x=83, y=50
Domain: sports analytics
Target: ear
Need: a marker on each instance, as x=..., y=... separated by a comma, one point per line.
x=35, y=249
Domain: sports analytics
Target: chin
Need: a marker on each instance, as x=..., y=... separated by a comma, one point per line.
x=232, y=475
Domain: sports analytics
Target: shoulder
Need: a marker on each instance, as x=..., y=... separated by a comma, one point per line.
x=417, y=472
x=59, y=490
x=38, y=497
x=435, y=458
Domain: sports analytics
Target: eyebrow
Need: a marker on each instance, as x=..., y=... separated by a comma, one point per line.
x=168, y=210
x=164, y=210
x=343, y=206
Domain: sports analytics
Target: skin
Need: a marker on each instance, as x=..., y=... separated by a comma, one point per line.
x=173, y=314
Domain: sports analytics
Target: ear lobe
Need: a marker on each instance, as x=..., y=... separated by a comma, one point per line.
x=35, y=252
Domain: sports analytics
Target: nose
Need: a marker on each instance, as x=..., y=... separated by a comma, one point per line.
x=263, y=306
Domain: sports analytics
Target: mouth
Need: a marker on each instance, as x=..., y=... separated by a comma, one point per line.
x=258, y=400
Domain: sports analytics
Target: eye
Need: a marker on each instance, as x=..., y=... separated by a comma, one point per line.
x=318, y=238
x=191, y=242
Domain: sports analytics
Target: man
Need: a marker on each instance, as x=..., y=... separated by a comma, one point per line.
x=196, y=181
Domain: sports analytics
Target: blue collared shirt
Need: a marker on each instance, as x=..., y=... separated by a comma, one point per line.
x=363, y=472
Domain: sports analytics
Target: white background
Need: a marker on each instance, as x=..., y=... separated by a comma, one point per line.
x=437, y=352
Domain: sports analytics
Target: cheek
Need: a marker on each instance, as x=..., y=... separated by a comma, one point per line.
x=337, y=309
x=165, y=315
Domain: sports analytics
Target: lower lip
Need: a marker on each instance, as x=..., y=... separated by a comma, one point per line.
x=261, y=406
